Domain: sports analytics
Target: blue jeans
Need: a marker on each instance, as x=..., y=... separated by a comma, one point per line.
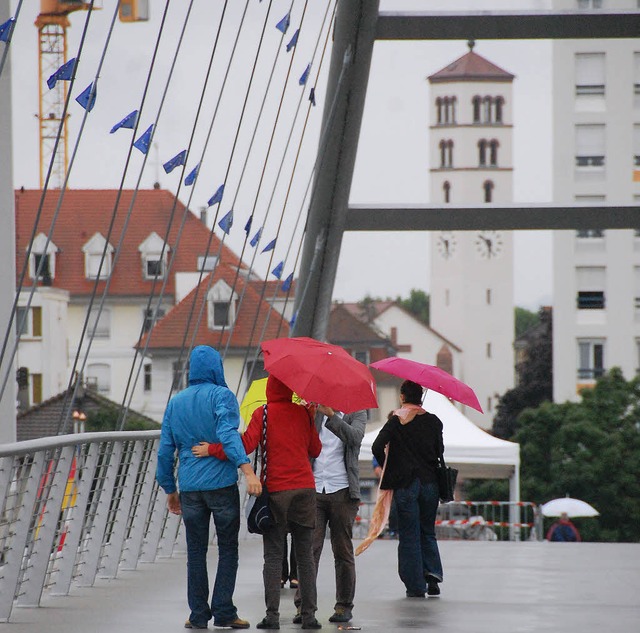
x=197, y=508
x=418, y=554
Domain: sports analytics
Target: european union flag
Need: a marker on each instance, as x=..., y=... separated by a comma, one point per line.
x=293, y=320
x=191, y=178
x=129, y=122
x=293, y=41
x=286, y=284
x=312, y=96
x=283, y=25
x=178, y=159
x=217, y=196
x=270, y=246
x=64, y=73
x=277, y=271
x=227, y=222
x=87, y=98
x=305, y=75
x=6, y=29
x=247, y=226
x=256, y=238
x=145, y=140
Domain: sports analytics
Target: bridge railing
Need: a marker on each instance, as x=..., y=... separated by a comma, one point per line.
x=77, y=507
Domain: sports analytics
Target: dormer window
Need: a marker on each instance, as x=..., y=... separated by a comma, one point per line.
x=93, y=251
x=154, y=257
x=42, y=261
x=221, y=302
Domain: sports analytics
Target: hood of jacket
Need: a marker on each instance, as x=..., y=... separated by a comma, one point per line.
x=205, y=365
x=277, y=391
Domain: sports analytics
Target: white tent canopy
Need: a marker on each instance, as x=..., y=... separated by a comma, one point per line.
x=474, y=452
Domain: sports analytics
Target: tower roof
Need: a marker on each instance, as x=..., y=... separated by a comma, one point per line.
x=471, y=67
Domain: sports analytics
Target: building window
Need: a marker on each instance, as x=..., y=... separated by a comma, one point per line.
x=147, y=377
x=476, y=109
x=362, y=356
x=590, y=281
x=103, y=319
x=439, y=110
x=482, y=152
x=636, y=79
x=488, y=350
x=154, y=267
x=488, y=191
x=493, y=153
x=220, y=314
x=154, y=257
x=99, y=377
x=590, y=358
x=207, y=264
x=447, y=297
x=488, y=296
x=486, y=110
x=589, y=4
x=590, y=234
x=29, y=322
x=636, y=146
x=179, y=371
x=590, y=300
x=42, y=262
x=499, y=109
x=446, y=188
x=148, y=320
x=489, y=404
x=446, y=153
x=221, y=306
x=590, y=144
x=36, y=389
x=590, y=74
x=93, y=261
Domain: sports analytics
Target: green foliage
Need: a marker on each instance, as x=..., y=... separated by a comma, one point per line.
x=417, y=304
x=106, y=419
x=525, y=320
x=589, y=450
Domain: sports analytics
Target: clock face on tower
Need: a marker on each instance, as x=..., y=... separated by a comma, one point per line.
x=446, y=244
x=489, y=244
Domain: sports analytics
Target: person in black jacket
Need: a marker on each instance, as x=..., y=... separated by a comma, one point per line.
x=413, y=439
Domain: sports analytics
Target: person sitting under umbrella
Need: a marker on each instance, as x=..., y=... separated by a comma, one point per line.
x=563, y=530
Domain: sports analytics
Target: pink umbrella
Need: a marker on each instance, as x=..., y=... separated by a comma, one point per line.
x=430, y=377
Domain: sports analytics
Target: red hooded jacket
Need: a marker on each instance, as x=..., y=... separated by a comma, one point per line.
x=292, y=439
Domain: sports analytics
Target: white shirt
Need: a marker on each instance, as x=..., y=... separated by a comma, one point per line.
x=329, y=468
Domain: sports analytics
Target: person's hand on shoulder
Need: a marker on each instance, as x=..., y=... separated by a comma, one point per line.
x=201, y=449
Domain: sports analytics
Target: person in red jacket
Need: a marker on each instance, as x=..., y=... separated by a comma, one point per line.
x=292, y=439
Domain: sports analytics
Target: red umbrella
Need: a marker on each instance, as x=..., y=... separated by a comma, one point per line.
x=320, y=372
x=430, y=377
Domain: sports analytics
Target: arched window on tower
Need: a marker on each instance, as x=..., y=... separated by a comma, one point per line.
x=449, y=153
x=446, y=110
x=453, y=109
x=439, y=110
x=486, y=110
x=443, y=153
x=446, y=189
x=482, y=152
x=476, y=109
x=488, y=190
x=493, y=153
x=499, y=107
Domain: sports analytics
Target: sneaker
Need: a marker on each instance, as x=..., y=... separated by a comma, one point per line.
x=238, y=623
x=266, y=623
x=342, y=614
x=297, y=618
x=293, y=583
x=415, y=594
x=433, y=590
x=311, y=624
x=190, y=625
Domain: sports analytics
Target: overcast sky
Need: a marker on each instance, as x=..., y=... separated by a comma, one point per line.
x=392, y=164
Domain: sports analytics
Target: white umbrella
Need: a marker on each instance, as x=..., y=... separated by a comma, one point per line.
x=569, y=506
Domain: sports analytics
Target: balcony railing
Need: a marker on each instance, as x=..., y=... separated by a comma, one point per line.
x=590, y=373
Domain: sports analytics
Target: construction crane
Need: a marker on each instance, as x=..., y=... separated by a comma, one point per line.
x=52, y=23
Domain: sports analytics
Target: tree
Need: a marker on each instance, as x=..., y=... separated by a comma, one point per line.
x=106, y=419
x=525, y=320
x=417, y=304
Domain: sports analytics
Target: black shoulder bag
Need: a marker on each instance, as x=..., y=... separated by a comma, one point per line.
x=259, y=518
x=447, y=477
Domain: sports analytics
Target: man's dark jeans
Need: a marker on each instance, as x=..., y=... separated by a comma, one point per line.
x=197, y=509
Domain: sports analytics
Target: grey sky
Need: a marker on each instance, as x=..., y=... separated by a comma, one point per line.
x=392, y=164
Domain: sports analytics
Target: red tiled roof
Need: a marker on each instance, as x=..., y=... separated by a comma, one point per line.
x=169, y=333
x=471, y=67
x=345, y=329
x=87, y=211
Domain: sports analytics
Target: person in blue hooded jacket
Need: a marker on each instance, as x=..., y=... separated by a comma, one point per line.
x=206, y=410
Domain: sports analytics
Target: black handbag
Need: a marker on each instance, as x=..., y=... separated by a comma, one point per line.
x=447, y=478
x=257, y=510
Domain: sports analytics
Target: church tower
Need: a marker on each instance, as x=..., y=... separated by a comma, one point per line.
x=471, y=300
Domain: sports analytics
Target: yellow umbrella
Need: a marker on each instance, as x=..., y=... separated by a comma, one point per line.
x=255, y=397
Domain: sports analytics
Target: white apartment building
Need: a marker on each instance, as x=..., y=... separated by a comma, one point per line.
x=471, y=301
x=596, y=159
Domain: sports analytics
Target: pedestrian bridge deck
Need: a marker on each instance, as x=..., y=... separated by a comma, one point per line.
x=489, y=587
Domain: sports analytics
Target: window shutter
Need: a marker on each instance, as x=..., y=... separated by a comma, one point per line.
x=590, y=140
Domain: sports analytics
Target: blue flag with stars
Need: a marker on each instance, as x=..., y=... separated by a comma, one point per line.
x=293, y=41
x=227, y=222
x=64, y=73
x=269, y=247
x=6, y=29
x=283, y=25
x=216, y=197
x=277, y=271
x=191, y=178
x=86, y=98
x=305, y=75
x=128, y=122
x=247, y=226
x=312, y=96
x=286, y=284
x=178, y=159
x=256, y=238
x=145, y=140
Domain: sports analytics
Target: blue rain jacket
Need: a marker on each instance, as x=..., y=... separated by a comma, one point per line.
x=206, y=411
